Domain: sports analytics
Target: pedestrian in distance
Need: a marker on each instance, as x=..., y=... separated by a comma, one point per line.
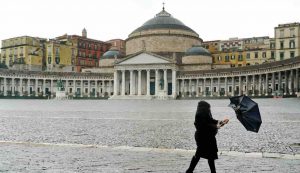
x=206, y=130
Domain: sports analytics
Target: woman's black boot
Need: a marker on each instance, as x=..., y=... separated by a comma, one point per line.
x=193, y=164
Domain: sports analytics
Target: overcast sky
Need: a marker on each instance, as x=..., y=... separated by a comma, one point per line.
x=110, y=19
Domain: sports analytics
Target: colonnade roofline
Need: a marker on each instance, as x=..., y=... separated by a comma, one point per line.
x=246, y=70
x=54, y=75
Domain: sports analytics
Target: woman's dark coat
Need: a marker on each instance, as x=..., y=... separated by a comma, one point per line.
x=206, y=129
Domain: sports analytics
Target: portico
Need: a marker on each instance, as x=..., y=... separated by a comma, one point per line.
x=145, y=76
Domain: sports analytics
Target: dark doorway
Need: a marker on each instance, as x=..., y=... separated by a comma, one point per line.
x=169, y=88
x=152, y=88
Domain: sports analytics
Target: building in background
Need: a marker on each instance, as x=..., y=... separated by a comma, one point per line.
x=117, y=44
x=74, y=52
x=60, y=56
x=23, y=53
x=241, y=52
x=287, y=41
x=88, y=51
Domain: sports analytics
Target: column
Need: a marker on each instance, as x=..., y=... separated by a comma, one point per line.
x=165, y=82
x=211, y=86
x=197, y=87
x=247, y=84
x=253, y=81
x=240, y=85
x=174, y=83
x=82, y=89
x=36, y=87
x=66, y=86
x=233, y=86
x=183, y=88
x=44, y=87
x=279, y=82
x=190, y=87
x=139, y=82
x=148, y=82
x=204, y=87
x=131, y=82
x=177, y=86
x=267, y=84
x=21, y=87
x=109, y=87
x=259, y=85
x=273, y=83
x=123, y=83
x=116, y=83
x=96, y=88
x=28, y=87
x=156, y=81
x=297, y=81
x=103, y=88
x=5, y=87
x=226, y=87
x=218, y=90
x=286, y=86
x=74, y=88
x=13, y=87
x=291, y=89
x=89, y=88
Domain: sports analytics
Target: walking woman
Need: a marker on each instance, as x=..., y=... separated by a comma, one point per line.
x=206, y=130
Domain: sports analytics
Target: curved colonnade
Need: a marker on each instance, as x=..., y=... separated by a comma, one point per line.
x=272, y=79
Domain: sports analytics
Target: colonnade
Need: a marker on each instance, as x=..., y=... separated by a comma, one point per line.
x=42, y=87
x=284, y=82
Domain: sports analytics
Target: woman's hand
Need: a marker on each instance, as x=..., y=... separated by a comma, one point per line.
x=222, y=123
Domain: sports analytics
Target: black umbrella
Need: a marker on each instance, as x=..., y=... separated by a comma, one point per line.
x=247, y=112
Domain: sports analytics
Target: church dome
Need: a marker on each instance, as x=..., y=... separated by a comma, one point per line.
x=197, y=55
x=111, y=54
x=163, y=20
x=163, y=35
x=197, y=50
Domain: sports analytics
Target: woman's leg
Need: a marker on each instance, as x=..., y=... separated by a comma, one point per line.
x=211, y=163
x=194, y=162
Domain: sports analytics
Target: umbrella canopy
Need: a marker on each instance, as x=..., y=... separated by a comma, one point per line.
x=247, y=112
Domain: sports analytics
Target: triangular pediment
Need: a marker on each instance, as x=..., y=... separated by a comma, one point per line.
x=144, y=58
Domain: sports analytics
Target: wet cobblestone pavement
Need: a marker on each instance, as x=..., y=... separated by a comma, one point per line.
x=147, y=124
x=69, y=159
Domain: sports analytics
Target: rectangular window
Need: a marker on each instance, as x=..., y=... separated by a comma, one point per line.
x=272, y=54
x=264, y=55
x=256, y=54
x=272, y=45
x=240, y=57
x=227, y=58
x=281, y=55
x=248, y=55
x=220, y=58
x=232, y=57
x=292, y=32
x=281, y=45
x=292, y=54
x=281, y=33
x=292, y=44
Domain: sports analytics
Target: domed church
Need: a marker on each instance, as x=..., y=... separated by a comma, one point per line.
x=156, y=53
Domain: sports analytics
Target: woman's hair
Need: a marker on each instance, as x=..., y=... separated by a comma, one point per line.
x=203, y=108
